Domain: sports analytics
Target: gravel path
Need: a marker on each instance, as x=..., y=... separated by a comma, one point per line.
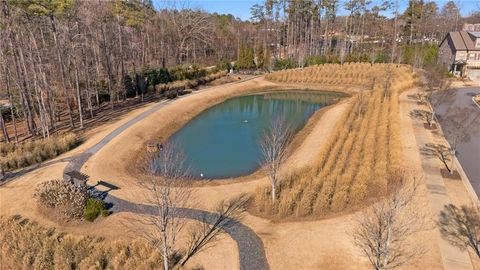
x=250, y=246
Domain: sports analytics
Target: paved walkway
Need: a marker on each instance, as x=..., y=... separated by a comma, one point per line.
x=452, y=257
x=250, y=246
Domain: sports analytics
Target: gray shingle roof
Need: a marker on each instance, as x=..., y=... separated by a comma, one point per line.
x=462, y=40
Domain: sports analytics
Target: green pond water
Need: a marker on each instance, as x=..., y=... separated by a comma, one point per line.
x=223, y=141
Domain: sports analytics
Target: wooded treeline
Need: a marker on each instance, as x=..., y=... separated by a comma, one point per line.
x=313, y=32
x=60, y=59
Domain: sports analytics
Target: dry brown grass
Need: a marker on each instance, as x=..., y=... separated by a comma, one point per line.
x=14, y=156
x=188, y=84
x=361, y=153
x=27, y=245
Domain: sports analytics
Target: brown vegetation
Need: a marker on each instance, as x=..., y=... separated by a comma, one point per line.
x=189, y=84
x=359, y=156
x=64, y=197
x=28, y=245
x=14, y=156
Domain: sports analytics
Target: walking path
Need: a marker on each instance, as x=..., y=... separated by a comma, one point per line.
x=452, y=257
x=250, y=246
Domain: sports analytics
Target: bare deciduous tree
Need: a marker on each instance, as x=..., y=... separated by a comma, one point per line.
x=168, y=190
x=274, y=145
x=382, y=230
x=436, y=92
x=212, y=225
x=440, y=151
x=461, y=226
x=458, y=126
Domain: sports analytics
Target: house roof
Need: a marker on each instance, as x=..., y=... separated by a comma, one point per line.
x=462, y=41
x=475, y=34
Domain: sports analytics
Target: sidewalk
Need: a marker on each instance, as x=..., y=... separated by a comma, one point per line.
x=452, y=257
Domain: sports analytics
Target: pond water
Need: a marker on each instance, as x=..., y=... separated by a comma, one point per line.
x=223, y=141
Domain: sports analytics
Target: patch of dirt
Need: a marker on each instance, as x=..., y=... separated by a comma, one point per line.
x=430, y=127
x=450, y=175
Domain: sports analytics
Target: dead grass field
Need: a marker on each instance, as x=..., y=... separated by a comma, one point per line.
x=315, y=244
x=361, y=153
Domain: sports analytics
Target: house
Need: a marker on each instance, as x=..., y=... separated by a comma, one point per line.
x=460, y=52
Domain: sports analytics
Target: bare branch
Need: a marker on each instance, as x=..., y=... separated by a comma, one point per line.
x=274, y=145
x=382, y=231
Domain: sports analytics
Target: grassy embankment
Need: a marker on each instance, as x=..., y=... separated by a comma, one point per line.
x=27, y=245
x=15, y=156
x=364, y=149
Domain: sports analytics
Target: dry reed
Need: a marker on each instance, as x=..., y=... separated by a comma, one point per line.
x=27, y=245
x=363, y=150
x=15, y=156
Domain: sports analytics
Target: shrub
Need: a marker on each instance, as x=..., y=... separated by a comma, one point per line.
x=223, y=65
x=171, y=94
x=246, y=58
x=64, y=197
x=281, y=64
x=316, y=60
x=93, y=209
x=382, y=58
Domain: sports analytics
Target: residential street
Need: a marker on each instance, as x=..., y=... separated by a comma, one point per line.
x=468, y=150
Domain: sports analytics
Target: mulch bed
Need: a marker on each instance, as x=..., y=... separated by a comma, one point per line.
x=428, y=127
x=453, y=176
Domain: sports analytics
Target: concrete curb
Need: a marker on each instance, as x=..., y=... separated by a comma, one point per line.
x=466, y=182
x=475, y=102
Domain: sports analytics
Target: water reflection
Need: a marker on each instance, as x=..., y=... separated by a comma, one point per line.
x=223, y=141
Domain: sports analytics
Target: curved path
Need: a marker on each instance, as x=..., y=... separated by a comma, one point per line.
x=250, y=246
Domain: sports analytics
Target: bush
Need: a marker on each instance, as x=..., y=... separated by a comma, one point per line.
x=93, y=209
x=64, y=197
x=316, y=60
x=246, y=58
x=382, y=58
x=281, y=64
x=171, y=94
x=223, y=65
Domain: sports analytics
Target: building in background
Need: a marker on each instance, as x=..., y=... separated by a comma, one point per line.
x=460, y=52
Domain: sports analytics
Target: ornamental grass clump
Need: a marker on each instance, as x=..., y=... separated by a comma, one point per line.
x=28, y=245
x=64, y=198
x=362, y=152
x=28, y=153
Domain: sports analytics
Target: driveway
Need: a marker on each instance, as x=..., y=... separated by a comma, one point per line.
x=468, y=150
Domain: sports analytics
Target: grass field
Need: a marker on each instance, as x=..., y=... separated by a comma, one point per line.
x=15, y=156
x=28, y=245
x=360, y=155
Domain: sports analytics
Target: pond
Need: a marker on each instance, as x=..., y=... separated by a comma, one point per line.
x=223, y=141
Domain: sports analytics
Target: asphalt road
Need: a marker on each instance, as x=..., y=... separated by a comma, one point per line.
x=468, y=151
